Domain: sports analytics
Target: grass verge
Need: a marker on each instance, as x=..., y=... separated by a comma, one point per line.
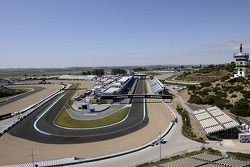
x=63, y=119
x=15, y=93
x=239, y=156
x=70, y=102
x=186, y=127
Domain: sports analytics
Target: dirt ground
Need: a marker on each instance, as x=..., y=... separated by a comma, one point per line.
x=196, y=127
x=164, y=76
x=184, y=95
x=16, y=150
x=83, y=84
x=29, y=100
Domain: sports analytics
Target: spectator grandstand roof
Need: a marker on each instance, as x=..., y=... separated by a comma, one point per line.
x=214, y=119
x=124, y=79
x=111, y=90
x=156, y=85
x=187, y=162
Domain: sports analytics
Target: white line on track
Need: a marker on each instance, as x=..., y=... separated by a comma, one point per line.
x=35, y=126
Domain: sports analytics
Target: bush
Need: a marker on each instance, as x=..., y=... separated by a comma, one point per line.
x=225, y=88
x=225, y=78
x=216, y=100
x=195, y=99
x=229, y=106
x=179, y=108
x=246, y=94
x=231, y=89
x=237, y=88
x=239, y=155
x=215, y=89
x=230, y=67
x=212, y=151
x=204, y=92
x=241, y=108
x=191, y=87
x=205, y=84
x=237, y=80
x=221, y=94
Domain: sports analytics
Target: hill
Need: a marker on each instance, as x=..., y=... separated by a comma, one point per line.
x=208, y=73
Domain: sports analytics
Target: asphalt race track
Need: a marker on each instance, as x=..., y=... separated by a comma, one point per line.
x=57, y=135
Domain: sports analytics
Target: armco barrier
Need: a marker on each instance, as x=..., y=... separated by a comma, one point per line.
x=79, y=161
x=32, y=108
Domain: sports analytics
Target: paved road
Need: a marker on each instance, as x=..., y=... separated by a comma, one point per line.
x=96, y=115
x=56, y=135
x=178, y=99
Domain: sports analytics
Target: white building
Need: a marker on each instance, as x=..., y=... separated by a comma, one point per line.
x=241, y=61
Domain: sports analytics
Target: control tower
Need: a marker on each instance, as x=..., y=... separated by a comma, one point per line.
x=241, y=61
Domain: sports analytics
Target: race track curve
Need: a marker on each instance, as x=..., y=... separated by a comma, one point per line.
x=55, y=135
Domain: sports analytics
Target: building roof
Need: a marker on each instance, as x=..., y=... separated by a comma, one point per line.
x=241, y=55
x=111, y=90
x=214, y=119
x=156, y=86
x=77, y=77
x=123, y=79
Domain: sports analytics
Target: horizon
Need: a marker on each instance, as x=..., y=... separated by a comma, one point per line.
x=113, y=66
x=66, y=34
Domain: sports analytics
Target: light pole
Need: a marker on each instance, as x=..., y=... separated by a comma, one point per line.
x=32, y=156
x=160, y=144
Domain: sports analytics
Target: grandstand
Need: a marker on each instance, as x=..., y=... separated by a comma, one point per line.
x=207, y=157
x=206, y=160
x=156, y=86
x=216, y=123
x=47, y=163
x=232, y=162
x=187, y=162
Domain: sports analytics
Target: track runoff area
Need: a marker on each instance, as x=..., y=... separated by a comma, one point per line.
x=40, y=127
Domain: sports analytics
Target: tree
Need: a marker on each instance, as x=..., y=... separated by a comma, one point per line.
x=98, y=72
x=195, y=99
x=205, y=84
x=179, y=108
x=116, y=71
x=140, y=69
x=86, y=72
x=242, y=108
x=191, y=87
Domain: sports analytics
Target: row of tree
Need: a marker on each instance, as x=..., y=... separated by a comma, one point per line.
x=100, y=72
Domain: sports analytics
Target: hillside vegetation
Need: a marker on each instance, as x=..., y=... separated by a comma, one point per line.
x=232, y=94
x=208, y=73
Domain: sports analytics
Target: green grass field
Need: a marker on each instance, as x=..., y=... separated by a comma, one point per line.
x=63, y=119
x=15, y=93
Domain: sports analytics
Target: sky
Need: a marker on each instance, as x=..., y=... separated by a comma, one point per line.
x=70, y=33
